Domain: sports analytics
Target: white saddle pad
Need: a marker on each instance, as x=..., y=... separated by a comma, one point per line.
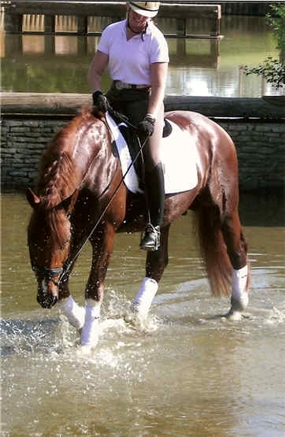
x=178, y=157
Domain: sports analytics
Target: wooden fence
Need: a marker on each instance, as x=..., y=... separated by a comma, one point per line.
x=16, y=11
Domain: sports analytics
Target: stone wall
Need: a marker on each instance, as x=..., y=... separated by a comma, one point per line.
x=261, y=152
x=260, y=141
x=22, y=143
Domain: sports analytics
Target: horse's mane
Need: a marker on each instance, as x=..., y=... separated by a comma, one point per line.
x=60, y=172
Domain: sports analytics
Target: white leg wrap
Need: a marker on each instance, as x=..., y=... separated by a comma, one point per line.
x=90, y=331
x=239, y=281
x=74, y=313
x=145, y=296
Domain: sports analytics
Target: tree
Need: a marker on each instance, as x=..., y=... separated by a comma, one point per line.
x=273, y=69
x=277, y=22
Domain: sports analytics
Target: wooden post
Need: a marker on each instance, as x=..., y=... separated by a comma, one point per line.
x=13, y=23
x=82, y=45
x=181, y=27
x=49, y=44
x=49, y=24
x=82, y=25
x=215, y=47
x=215, y=51
x=14, y=44
x=181, y=47
x=216, y=23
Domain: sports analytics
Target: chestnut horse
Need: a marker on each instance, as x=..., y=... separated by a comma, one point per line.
x=80, y=196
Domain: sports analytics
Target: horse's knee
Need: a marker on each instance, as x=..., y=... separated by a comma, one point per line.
x=94, y=292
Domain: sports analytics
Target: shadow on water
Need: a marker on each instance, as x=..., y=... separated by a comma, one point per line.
x=264, y=208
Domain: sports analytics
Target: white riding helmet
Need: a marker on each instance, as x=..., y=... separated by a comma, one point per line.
x=147, y=9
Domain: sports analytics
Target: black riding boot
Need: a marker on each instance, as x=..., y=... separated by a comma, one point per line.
x=154, y=190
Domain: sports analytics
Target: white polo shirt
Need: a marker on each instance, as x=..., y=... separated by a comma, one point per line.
x=130, y=60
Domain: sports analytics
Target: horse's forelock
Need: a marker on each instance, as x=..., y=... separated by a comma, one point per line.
x=59, y=227
x=49, y=225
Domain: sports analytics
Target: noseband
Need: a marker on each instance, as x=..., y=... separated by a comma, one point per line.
x=48, y=273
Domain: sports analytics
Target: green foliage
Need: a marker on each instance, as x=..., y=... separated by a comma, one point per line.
x=272, y=69
x=276, y=21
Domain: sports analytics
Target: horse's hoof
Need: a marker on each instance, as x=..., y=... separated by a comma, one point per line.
x=234, y=315
x=131, y=319
x=85, y=350
x=239, y=305
x=89, y=336
x=138, y=315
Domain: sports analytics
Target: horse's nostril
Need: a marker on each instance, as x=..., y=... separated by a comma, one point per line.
x=46, y=300
x=54, y=300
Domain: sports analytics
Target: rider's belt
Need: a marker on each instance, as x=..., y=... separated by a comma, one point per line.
x=119, y=85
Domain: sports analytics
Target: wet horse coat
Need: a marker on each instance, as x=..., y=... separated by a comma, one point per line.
x=80, y=196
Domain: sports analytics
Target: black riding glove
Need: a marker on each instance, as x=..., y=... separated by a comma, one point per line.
x=100, y=101
x=146, y=126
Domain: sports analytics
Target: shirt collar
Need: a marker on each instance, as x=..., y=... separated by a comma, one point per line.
x=148, y=29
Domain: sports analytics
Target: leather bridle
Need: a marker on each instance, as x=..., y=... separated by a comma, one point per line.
x=48, y=273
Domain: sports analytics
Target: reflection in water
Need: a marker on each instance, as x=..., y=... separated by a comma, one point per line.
x=263, y=208
x=33, y=63
x=186, y=373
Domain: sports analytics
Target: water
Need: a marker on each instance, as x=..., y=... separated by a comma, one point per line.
x=198, y=67
x=187, y=372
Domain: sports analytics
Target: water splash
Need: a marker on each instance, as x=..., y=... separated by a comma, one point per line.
x=28, y=336
x=276, y=316
x=54, y=335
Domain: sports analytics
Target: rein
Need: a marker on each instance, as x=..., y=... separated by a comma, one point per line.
x=64, y=271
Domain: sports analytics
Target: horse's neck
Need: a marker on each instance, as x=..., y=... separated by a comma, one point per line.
x=80, y=155
x=93, y=155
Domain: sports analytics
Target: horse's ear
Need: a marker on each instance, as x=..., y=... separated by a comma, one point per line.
x=32, y=198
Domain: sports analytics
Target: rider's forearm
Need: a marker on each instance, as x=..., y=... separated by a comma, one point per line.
x=94, y=80
x=158, y=85
x=96, y=69
x=156, y=100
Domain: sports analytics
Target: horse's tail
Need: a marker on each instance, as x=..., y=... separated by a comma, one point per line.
x=213, y=250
